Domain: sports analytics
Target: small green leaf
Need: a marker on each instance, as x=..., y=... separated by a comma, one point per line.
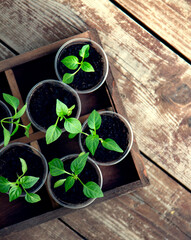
x=72, y=135
x=32, y=197
x=4, y=185
x=14, y=193
x=110, y=144
x=61, y=108
x=70, y=62
x=23, y=165
x=13, y=101
x=94, y=120
x=56, y=167
x=59, y=183
x=16, y=127
x=92, y=142
x=87, y=67
x=84, y=51
x=69, y=183
x=73, y=125
x=70, y=110
x=27, y=129
x=68, y=78
x=53, y=133
x=28, y=181
x=20, y=112
x=92, y=190
x=79, y=163
x=7, y=136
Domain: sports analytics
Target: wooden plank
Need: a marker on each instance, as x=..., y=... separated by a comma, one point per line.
x=170, y=19
x=5, y=52
x=47, y=231
x=159, y=211
x=151, y=80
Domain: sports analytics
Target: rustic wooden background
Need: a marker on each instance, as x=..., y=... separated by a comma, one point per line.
x=148, y=45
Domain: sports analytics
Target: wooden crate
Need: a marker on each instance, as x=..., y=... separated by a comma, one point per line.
x=17, y=76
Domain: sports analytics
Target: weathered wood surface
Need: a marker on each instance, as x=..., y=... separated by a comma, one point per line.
x=169, y=19
x=159, y=211
x=154, y=86
x=153, y=81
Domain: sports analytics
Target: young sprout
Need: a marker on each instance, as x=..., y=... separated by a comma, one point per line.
x=73, y=63
x=63, y=112
x=56, y=166
x=14, y=189
x=15, y=119
x=93, y=139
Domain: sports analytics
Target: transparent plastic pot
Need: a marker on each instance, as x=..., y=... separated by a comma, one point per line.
x=129, y=136
x=42, y=161
x=74, y=205
x=58, y=83
x=98, y=49
x=4, y=106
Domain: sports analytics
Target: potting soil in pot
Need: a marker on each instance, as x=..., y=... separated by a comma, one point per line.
x=75, y=194
x=10, y=164
x=43, y=104
x=82, y=80
x=111, y=127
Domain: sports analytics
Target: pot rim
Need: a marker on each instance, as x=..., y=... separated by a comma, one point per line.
x=130, y=138
x=43, y=159
x=106, y=63
x=71, y=205
x=68, y=88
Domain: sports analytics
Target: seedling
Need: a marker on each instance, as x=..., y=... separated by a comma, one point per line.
x=15, y=119
x=14, y=189
x=90, y=189
x=93, y=139
x=70, y=124
x=73, y=63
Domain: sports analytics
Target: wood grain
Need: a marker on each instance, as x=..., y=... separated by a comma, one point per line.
x=5, y=52
x=170, y=19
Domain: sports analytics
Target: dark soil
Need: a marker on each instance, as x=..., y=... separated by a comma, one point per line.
x=10, y=164
x=82, y=80
x=3, y=113
x=75, y=194
x=42, y=105
x=111, y=127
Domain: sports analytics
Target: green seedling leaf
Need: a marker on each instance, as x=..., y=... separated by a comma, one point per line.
x=84, y=51
x=110, y=144
x=59, y=183
x=68, y=78
x=13, y=101
x=27, y=129
x=53, y=133
x=61, y=109
x=14, y=193
x=94, y=120
x=70, y=62
x=28, y=181
x=23, y=165
x=92, y=190
x=7, y=136
x=72, y=135
x=79, y=163
x=92, y=142
x=87, y=67
x=73, y=125
x=70, y=110
x=20, y=112
x=32, y=197
x=16, y=127
x=56, y=167
x=4, y=185
x=69, y=183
